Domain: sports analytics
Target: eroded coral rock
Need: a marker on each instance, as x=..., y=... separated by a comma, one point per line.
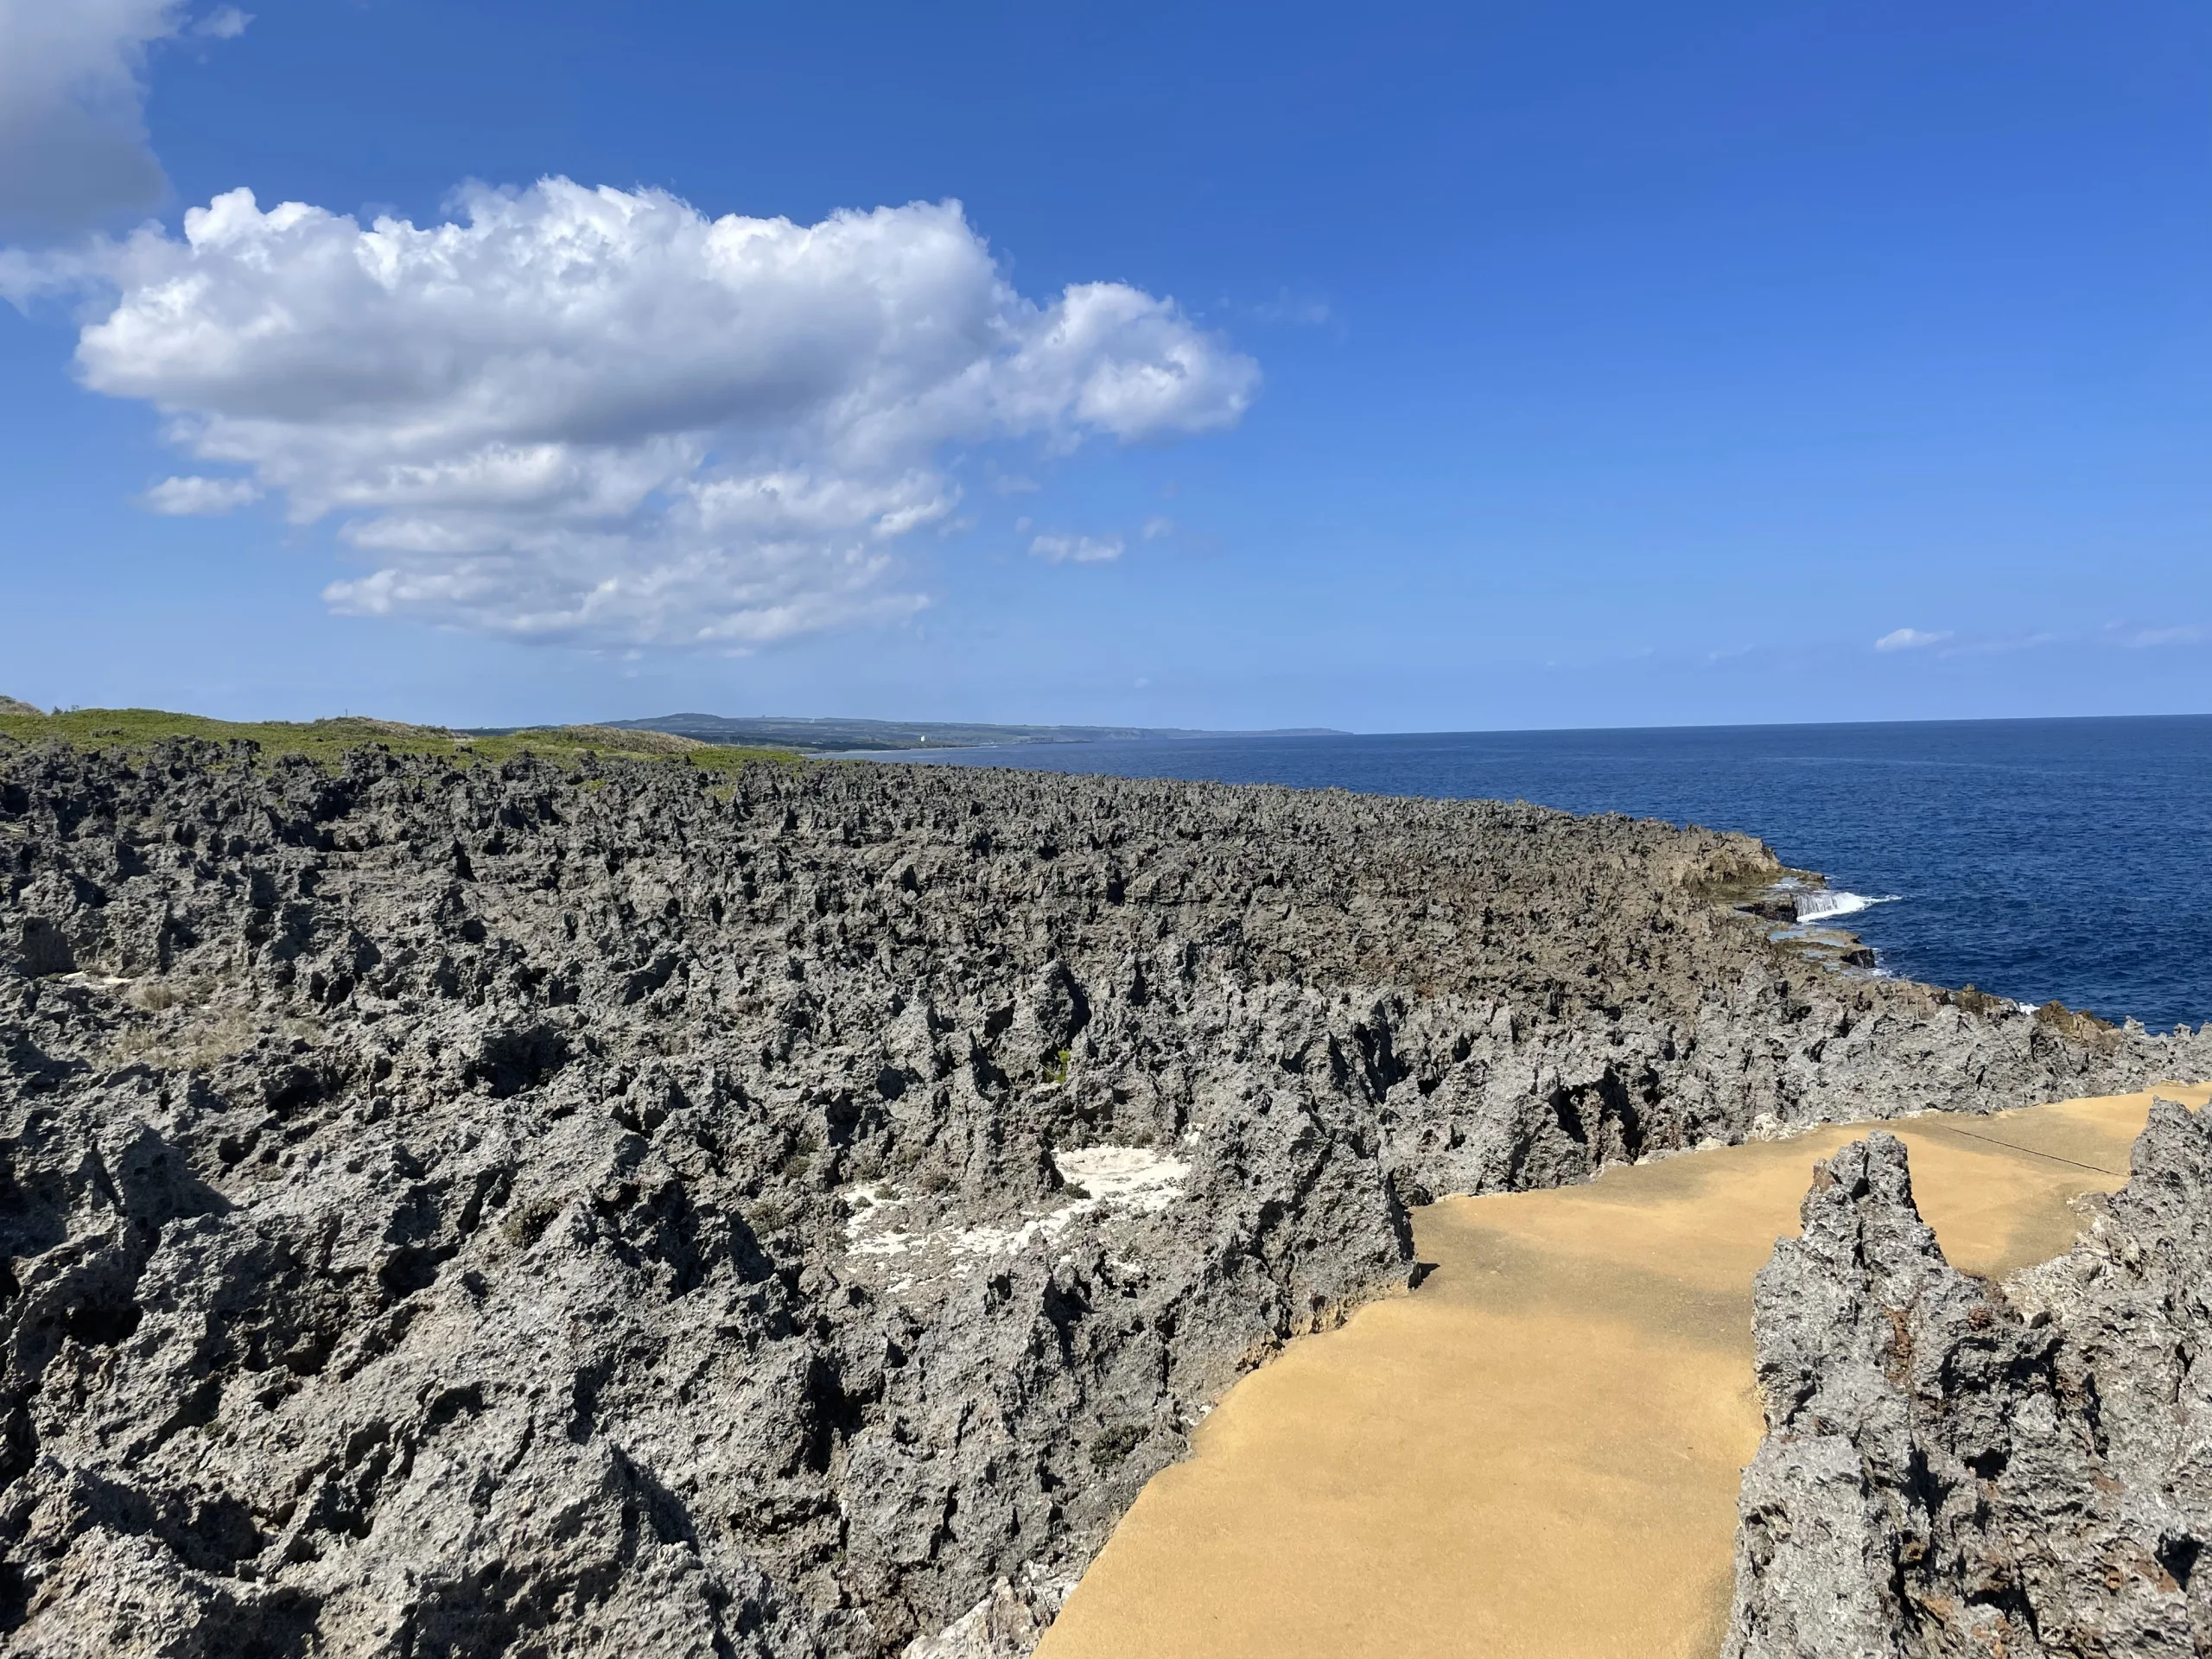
x=453, y=1211
x=1951, y=1467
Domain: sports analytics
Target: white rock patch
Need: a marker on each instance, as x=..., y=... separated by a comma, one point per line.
x=1132, y=1178
x=867, y=1202
x=1138, y=1176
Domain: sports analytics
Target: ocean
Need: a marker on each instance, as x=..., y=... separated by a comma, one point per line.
x=2036, y=859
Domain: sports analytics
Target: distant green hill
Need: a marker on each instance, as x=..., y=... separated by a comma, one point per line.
x=706, y=739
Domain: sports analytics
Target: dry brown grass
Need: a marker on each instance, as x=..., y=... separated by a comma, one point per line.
x=628, y=742
x=183, y=1026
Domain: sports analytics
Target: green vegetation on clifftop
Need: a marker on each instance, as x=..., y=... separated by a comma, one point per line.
x=324, y=740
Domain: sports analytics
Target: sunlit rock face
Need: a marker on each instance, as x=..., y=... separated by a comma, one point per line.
x=1954, y=1467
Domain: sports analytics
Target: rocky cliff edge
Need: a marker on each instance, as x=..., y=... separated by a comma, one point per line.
x=620, y=1208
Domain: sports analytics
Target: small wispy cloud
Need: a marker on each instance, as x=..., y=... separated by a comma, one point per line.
x=1156, y=527
x=1994, y=644
x=2152, y=639
x=1077, y=550
x=1910, y=640
x=224, y=23
x=1288, y=308
x=199, y=498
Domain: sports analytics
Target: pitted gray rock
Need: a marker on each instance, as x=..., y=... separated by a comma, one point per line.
x=619, y=1210
x=1955, y=1468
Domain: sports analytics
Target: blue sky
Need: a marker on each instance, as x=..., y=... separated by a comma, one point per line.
x=1508, y=366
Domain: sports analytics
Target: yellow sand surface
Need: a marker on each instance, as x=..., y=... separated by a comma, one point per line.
x=1537, y=1452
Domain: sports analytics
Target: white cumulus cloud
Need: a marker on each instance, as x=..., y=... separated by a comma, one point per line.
x=598, y=415
x=180, y=498
x=1077, y=550
x=72, y=130
x=1909, y=639
x=224, y=23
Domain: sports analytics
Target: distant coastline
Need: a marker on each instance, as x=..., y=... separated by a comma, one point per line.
x=831, y=735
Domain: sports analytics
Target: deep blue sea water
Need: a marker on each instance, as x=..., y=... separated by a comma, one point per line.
x=2033, y=858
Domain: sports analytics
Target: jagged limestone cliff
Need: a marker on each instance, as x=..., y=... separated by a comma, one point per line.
x=625, y=1208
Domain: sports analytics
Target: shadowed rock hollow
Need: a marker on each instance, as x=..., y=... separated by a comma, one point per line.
x=464, y=1211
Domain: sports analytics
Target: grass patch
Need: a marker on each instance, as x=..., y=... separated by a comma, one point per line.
x=524, y=1224
x=1982, y=1003
x=324, y=741
x=1112, y=1446
x=2079, y=1026
x=768, y=1216
x=195, y=1039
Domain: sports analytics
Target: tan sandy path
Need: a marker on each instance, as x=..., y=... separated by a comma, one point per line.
x=1537, y=1452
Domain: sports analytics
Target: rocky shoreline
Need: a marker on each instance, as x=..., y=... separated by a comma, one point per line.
x=568, y=1209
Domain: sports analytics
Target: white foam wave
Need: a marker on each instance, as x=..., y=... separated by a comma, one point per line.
x=1825, y=904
